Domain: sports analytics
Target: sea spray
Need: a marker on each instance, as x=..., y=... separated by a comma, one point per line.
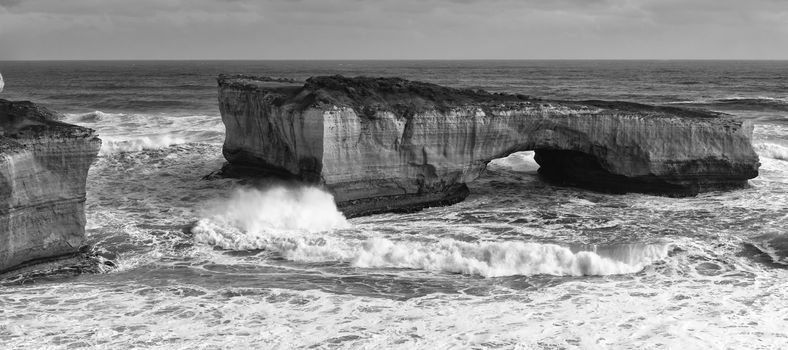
x=112, y=145
x=280, y=218
x=771, y=150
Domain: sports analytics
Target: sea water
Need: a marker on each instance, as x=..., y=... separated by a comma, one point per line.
x=212, y=264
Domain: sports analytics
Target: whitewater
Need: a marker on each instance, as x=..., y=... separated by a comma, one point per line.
x=204, y=263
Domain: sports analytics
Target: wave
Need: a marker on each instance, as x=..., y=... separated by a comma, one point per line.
x=741, y=102
x=770, y=150
x=278, y=217
x=495, y=259
x=303, y=225
x=112, y=145
x=757, y=99
x=122, y=132
x=773, y=245
x=91, y=117
x=487, y=259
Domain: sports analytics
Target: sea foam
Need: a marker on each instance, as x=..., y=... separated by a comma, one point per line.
x=738, y=100
x=279, y=218
x=111, y=145
x=301, y=224
x=494, y=259
x=131, y=132
x=771, y=150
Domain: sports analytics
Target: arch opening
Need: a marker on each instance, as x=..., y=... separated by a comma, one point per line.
x=578, y=169
x=572, y=168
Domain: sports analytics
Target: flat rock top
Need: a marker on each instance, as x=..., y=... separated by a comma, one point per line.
x=24, y=119
x=367, y=95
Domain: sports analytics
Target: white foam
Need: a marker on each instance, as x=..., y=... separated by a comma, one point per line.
x=777, y=100
x=112, y=145
x=301, y=223
x=765, y=131
x=771, y=150
x=757, y=98
x=132, y=260
x=605, y=314
x=494, y=259
x=121, y=132
x=281, y=218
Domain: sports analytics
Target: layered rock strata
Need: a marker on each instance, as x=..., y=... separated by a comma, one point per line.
x=388, y=144
x=43, y=169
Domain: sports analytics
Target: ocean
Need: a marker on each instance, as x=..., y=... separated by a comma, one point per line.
x=213, y=264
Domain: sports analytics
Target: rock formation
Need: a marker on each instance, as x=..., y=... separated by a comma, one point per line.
x=388, y=144
x=43, y=169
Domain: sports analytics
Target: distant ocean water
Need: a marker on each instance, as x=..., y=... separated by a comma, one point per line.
x=518, y=264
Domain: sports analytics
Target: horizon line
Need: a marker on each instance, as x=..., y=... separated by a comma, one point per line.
x=386, y=59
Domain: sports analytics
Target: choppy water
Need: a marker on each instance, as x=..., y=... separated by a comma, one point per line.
x=518, y=264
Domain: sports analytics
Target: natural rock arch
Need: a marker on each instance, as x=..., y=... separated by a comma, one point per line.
x=388, y=144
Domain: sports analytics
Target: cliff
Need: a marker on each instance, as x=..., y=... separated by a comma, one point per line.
x=43, y=169
x=388, y=144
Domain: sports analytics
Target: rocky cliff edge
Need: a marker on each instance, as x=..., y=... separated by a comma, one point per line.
x=43, y=170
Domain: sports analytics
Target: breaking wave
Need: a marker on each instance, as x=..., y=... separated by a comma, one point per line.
x=111, y=145
x=495, y=259
x=770, y=150
x=303, y=225
x=277, y=218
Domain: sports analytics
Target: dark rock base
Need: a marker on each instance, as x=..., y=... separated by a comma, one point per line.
x=577, y=169
x=63, y=266
x=406, y=203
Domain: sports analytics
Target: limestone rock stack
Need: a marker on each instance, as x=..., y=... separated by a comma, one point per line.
x=43, y=169
x=388, y=144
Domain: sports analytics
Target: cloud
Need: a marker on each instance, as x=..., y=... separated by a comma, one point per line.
x=393, y=29
x=9, y=3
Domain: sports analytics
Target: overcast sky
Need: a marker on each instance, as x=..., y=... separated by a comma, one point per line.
x=393, y=29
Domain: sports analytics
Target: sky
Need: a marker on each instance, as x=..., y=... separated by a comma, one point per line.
x=393, y=29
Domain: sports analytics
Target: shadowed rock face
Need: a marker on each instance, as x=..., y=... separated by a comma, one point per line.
x=388, y=144
x=43, y=170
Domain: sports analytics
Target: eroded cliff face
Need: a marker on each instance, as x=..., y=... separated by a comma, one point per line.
x=391, y=144
x=43, y=171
